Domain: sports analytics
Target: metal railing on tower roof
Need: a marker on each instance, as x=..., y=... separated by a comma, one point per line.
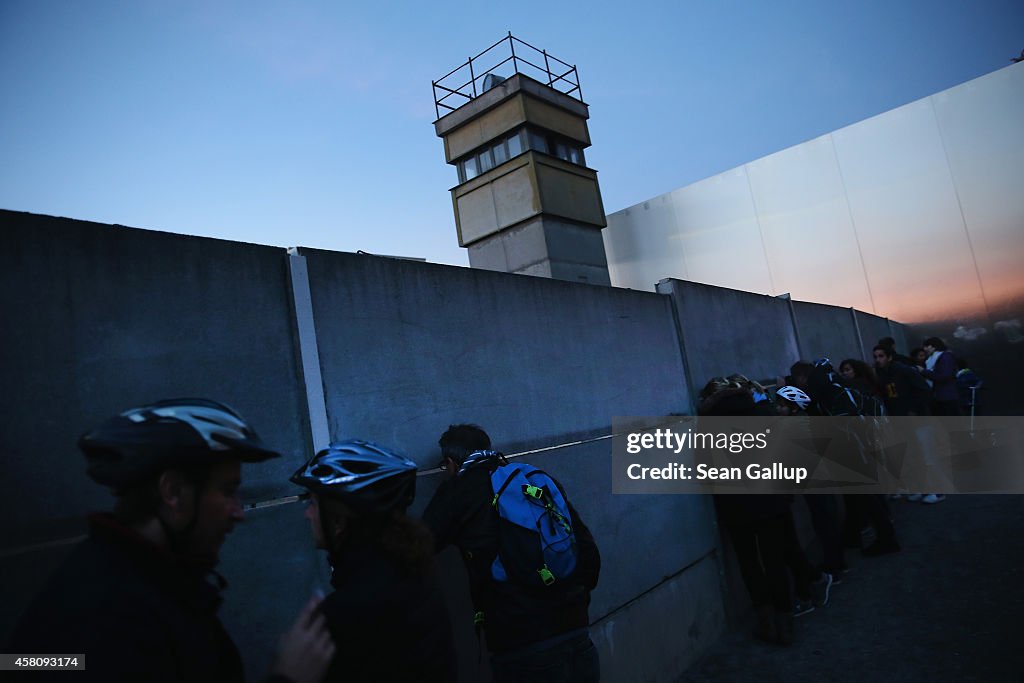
x=451, y=91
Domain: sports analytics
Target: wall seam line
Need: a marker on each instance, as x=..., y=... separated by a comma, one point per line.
x=309, y=351
x=760, y=230
x=959, y=205
x=853, y=223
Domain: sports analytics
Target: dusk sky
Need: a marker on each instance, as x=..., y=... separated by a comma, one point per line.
x=310, y=123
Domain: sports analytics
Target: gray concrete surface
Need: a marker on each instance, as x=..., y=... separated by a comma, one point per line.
x=103, y=318
x=826, y=331
x=946, y=608
x=726, y=331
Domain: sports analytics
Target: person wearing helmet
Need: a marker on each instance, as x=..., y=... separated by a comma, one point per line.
x=134, y=598
x=387, y=613
x=790, y=400
x=532, y=634
x=830, y=396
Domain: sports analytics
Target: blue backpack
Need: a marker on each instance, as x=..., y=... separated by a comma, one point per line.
x=536, y=543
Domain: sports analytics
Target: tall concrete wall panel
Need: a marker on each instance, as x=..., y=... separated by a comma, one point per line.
x=981, y=136
x=108, y=318
x=726, y=331
x=826, y=331
x=872, y=328
x=659, y=635
x=408, y=348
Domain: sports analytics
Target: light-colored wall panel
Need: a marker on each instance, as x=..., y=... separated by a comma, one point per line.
x=718, y=226
x=631, y=242
x=706, y=232
x=980, y=123
x=905, y=210
x=799, y=196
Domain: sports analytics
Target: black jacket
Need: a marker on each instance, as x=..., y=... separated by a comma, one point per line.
x=135, y=611
x=461, y=514
x=744, y=508
x=904, y=390
x=387, y=626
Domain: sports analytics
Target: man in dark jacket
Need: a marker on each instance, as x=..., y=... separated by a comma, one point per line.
x=904, y=390
x=529, y=629
x=133, y=599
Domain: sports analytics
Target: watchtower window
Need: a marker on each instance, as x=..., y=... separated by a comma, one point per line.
x=483, y=160
x=513, y=144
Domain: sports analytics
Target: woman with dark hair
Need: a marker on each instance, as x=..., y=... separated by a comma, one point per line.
x=387, y=614
x=860, y=376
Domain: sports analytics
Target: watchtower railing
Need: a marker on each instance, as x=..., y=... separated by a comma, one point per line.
x=451, y=91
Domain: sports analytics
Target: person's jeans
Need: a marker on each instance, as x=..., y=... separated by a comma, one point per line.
x=570, y=658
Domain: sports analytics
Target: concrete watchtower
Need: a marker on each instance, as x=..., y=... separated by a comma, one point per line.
x=526, y=201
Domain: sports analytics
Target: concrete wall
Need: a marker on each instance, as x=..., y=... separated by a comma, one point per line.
x=726, y=331
x=827, y=331
x=102, y=318
x=110, y=317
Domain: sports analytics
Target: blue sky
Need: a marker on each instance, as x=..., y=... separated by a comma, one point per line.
x=310, y=123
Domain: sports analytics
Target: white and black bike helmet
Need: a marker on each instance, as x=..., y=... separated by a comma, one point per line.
x=794, y=395
x=137, y=444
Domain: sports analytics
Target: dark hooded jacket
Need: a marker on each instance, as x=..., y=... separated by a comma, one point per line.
x=137, y=613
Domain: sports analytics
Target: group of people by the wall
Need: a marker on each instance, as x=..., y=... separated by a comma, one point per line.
x=139, y=597
x=780, y=579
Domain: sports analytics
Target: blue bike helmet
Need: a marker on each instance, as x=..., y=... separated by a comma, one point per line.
x=369, y=478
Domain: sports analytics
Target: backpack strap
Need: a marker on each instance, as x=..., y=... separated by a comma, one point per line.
x=504, y=485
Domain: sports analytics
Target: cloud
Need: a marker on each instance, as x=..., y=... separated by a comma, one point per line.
x=969, y=334
x=1011, y=330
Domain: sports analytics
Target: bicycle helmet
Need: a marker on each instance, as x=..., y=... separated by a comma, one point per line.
x=137, y=444
x=794, y=395
x=369, y=478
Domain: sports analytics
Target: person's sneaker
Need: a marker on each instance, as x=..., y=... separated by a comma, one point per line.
x=914, y=498
x=896, y=496
x=932, y=498
x=821, y=588
x=881, y=548
x=803, y=607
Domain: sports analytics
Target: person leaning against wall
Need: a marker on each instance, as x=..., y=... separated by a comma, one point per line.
x=135, y=598
x=533, y=633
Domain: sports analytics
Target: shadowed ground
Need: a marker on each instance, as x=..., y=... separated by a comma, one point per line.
x=949, y=607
